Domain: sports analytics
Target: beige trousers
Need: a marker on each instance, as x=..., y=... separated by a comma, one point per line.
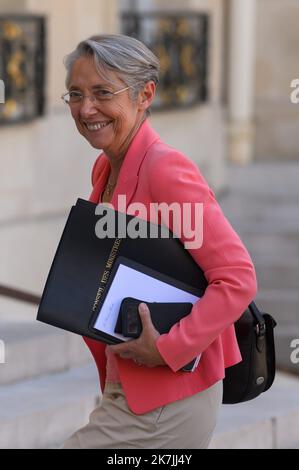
x=184, y=424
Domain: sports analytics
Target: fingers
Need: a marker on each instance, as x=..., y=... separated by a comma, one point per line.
x=143, y=349
x=148, y=329
x=125, y=351
x=145, y=316
x=123, y=348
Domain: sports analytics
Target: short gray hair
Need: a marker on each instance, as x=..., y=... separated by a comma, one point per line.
x=134, y=63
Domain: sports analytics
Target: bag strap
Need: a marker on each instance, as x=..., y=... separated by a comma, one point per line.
x=259, y=318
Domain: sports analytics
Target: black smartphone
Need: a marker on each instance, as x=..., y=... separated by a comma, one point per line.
x=131, y=323
x=163, y=315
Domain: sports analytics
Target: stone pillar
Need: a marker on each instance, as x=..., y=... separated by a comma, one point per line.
x=242, y=18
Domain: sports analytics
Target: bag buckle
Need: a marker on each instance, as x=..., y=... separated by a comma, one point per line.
x=260, y=329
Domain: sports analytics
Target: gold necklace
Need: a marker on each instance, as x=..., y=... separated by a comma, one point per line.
x=109, y=187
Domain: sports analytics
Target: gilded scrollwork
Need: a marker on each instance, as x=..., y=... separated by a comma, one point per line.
x=22, y=59
x=180, y=40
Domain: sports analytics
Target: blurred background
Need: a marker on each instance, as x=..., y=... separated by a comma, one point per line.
x=225, y=100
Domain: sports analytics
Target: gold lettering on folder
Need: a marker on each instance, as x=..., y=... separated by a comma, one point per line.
x=106, y=273
x=105, y=277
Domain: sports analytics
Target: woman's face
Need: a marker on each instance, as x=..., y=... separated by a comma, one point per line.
x=107, y=125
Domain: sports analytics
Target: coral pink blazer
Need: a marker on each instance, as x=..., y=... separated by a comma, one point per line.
x=154, y=172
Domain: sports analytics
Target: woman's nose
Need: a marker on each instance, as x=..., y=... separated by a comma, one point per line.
x=88, y=106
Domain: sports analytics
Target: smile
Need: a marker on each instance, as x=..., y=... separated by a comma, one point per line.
x=95, y=126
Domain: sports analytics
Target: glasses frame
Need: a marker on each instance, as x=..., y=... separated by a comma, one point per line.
x=93, y=97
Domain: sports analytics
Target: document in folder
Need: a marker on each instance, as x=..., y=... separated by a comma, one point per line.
x=131, y=279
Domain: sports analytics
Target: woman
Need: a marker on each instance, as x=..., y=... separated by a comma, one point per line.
x=148, y=402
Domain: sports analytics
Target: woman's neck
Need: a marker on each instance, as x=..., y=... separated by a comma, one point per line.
x=116, y=160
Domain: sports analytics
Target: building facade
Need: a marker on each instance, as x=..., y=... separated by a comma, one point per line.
x=46, y=165
x=243, y=111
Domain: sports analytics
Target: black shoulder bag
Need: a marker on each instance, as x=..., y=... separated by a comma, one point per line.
x=256, y=373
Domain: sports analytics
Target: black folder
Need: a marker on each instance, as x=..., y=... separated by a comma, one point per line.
x=79, y=275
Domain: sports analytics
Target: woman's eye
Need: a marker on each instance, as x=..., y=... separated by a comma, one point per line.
x=75, y=94
x=103, y=94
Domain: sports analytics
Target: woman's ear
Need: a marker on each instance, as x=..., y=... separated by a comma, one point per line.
x=146, y=95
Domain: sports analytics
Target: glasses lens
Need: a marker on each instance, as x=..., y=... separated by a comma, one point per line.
x=102, y=95
x=74, y=96
x=98, y=95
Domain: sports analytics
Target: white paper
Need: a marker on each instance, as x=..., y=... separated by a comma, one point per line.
x=129, y=282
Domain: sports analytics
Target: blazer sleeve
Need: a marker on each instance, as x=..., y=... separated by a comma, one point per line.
x=222, y=256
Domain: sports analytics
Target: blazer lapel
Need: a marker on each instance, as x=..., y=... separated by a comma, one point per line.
x=129, y=172
x=103, y=172
x=128, y=175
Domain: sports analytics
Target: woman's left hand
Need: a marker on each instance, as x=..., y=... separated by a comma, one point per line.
x=142, y=350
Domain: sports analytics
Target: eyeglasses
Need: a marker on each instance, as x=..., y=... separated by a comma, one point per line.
x=98, y=95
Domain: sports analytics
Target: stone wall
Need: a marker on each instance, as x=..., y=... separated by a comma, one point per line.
x=45, y=164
